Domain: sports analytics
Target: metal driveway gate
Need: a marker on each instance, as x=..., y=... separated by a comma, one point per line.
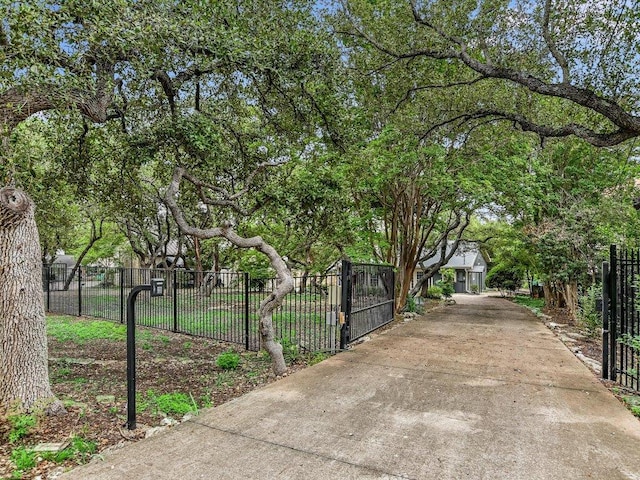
x=621, y=318
x=367, y=299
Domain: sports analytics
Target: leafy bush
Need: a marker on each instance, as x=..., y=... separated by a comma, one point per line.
x=434, y=291
x=633, y=403
x=26, y=459
x=258, y=267
x=446, y=282
x=318, y=357
x=534, y=304
x=589, y=317
x=411, y=304
x=447, y=289
x=228, y=360
x=506, y=278
x=632, y=341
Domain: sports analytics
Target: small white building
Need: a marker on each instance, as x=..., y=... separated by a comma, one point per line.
x=469, y=264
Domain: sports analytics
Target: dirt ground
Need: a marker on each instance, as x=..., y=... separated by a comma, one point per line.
x=573, y=335
x=91, y=379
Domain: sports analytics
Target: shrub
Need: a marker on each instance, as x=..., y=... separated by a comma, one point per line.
x=434, y=291
x=588, y=316
x=411, y=304
x=446, y=283
x=506, y=278
x=228, y=360
x=23, y=459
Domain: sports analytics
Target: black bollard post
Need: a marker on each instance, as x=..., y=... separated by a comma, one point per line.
x=157, y=290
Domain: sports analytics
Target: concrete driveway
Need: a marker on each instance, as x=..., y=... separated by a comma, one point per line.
x=479, y=390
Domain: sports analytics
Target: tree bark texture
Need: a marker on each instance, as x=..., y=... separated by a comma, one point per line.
x=562, y=295
x=24, y=375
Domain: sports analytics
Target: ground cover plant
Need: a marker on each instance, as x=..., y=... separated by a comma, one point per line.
x=176, y=375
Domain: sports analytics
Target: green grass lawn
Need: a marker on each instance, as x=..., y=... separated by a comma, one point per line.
x=535, y=304
x=70, y=329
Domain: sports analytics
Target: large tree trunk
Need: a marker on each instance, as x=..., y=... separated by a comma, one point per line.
x=562, y=295
x=571, y=298
x=405, y=277
x=24, y=373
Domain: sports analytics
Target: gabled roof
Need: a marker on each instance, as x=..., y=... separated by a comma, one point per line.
x=465, y=257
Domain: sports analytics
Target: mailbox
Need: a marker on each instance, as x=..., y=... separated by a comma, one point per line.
x=157, y=287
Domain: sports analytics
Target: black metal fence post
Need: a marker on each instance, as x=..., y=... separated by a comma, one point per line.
x=246, y=310
x=80, y=291
x=122, y=294
x=175, y=299
x=47, y=279
x=393, y=284
x=346, y=304
x=606, y=332
x=613, y=311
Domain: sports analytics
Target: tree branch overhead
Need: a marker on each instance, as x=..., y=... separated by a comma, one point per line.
x=624, y=124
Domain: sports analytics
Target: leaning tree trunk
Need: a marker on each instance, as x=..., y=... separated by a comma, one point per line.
x=285, y=280
x=95, y=236
x=24, y=375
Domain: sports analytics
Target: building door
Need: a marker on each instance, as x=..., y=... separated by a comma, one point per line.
x=461, y=281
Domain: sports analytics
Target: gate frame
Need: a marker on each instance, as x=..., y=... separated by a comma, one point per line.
x=347, y=301
x=621, y=316
x=610, y=315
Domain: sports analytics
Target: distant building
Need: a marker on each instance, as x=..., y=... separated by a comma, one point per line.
x=469, y=264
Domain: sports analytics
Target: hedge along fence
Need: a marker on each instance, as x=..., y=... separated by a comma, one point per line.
x=220, y=306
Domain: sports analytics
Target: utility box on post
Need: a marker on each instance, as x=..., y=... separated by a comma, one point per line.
x=157, y=287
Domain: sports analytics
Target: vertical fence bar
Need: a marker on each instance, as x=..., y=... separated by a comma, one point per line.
x=631, y=317
x=393, y=292
x=246, y=310
x=122, y=294
x=605, y=320
x=80, y=291
x=174, y=281
x=346, y=304
x=47, y=279
x=622, y=319
x=635, y=380
x=613, y=310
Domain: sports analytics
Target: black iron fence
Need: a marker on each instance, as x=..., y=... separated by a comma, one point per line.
x=621, y=317
x=367, y=298
x=220, y=306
